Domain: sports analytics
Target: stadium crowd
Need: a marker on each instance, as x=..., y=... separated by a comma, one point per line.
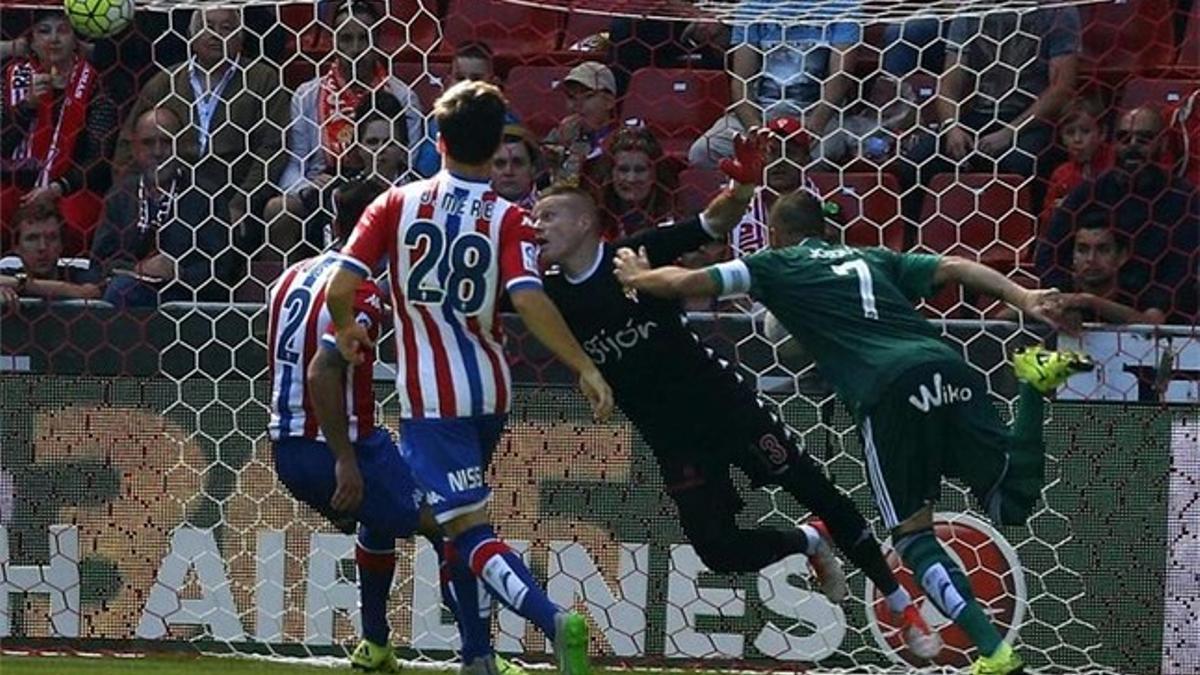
x=151, y=168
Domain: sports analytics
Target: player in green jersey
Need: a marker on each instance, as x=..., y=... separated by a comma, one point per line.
x=923, y=413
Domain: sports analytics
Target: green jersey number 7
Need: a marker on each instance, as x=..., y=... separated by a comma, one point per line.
x=866, y=285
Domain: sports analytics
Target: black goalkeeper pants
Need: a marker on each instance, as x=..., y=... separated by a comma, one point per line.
x=699, y=482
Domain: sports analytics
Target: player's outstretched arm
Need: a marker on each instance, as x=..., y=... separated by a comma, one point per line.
x=339, y=298
x=745, y=168
x=1113, y=311
x=1045, y=305
x=543, y=319
x=634, y=272
x=324, y=381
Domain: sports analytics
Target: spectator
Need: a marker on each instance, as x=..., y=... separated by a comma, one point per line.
x=37, y=268
x=381, y=139
x=797, y=69
x=516, y=166
x=1158, y=213
x=160, y=239
x=591, y=92
x=643, y=43
x=788, y=153
x=472, y=61
x=1007, y=77
x=379, y=151
x=1088, y=153
x=1098, y=253
x=235, y=111
x=58, y=128
x=635, y=183
x=322, y=133
x=912, y=45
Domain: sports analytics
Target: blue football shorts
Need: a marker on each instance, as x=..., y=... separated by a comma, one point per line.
x=391, y=499
x=449, y=458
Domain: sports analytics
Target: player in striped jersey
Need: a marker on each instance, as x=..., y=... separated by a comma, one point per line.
x=328, y=450
x=452, y=246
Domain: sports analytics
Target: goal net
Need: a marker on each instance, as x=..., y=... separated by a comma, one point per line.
x=1053, y=141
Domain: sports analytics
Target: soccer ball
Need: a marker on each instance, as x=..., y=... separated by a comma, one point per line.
x=99, y=18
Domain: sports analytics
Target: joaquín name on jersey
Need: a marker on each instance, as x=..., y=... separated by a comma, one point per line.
x=851, y=308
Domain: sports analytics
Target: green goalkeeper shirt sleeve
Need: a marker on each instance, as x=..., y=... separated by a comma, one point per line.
x=913, y=273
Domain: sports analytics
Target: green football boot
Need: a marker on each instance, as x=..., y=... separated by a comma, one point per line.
x=372, y=658
x=1046, y=369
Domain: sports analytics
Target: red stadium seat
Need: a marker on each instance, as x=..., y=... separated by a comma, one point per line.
x=870, y=205
x=428, y=81
x=678, y=105
x=581, y=25
x=980, y=216
x=697, y=187
x=1128, y=36
x=1163, y=93
x=532, y=94
x=509, y=29
x=1189, y=51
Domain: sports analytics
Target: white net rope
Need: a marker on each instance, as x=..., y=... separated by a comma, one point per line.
x=171, y=525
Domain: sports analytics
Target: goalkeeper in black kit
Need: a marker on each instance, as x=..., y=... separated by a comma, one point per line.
x=923, y=413
x=696, y=413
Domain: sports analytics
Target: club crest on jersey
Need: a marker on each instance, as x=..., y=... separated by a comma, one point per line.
x=529, y=256
x=941, y=394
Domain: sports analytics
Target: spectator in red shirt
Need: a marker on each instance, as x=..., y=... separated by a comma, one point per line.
x=1088, y=151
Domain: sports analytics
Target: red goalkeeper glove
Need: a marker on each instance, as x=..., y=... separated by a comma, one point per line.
x=749, y=158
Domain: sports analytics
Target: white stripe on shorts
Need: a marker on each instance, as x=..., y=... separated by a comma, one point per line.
x=883, y=500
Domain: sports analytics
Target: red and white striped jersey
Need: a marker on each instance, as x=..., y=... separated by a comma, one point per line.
x=452, y=246
x=298, y=323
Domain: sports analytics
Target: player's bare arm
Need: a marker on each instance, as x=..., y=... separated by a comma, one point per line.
x=339, y=298
x=547, y=325
x=634, y=272
x=1111, y=310
x=324, y=380
x=1045, y=305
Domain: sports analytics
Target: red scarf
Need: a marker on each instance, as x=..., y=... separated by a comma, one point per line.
x=52, y=141
x=335, y=109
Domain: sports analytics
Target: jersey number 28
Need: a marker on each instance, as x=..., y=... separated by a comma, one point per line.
x=463, y=267
x=866, y=285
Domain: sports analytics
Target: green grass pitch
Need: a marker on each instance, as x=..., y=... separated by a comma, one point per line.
x=205, y=665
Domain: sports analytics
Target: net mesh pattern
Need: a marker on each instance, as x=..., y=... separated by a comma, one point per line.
x=137, y=492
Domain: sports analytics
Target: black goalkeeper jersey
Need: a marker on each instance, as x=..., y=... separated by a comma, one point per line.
x=675, y=390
